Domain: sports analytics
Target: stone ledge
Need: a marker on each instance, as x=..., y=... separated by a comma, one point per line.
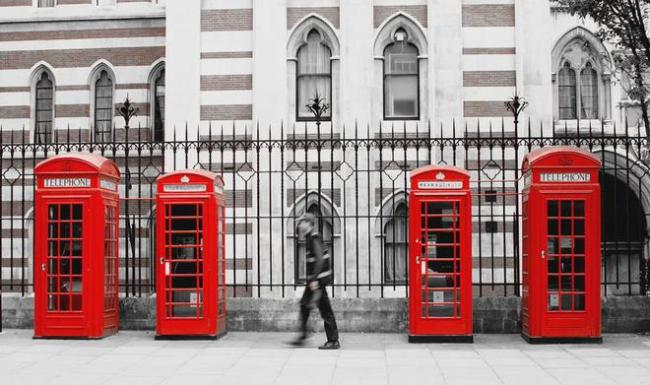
x=387, y=315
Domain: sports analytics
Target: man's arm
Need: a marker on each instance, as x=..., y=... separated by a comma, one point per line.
x=317, y=254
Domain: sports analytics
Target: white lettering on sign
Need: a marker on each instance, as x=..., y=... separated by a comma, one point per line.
x=66, y=182
x=440, y=185
x=185, y=188
x=565, y=177
x=107, y=185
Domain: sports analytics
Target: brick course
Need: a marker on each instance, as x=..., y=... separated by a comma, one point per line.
x=489, y=78
x=226, y=82
x=475, y=109
x=227, y=112
x=15, y=3
x=14, y=112
x=83, y=34
x=69, y=58
x=73, y=2
x=227, y=55
x=381, y=13
x=490, y=51
x=294, y=15
x=489, y=15
x=226, y=20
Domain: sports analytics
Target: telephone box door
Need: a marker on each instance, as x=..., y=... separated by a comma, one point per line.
x=436, y=273
x=182, y=267
x=566, y=264
x=60, y=270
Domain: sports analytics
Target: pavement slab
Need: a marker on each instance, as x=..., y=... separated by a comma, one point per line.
x=264, y=358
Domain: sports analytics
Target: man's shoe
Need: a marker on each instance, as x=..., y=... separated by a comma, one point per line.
x=330, y=345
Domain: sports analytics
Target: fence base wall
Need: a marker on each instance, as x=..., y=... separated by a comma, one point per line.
x=388, y=315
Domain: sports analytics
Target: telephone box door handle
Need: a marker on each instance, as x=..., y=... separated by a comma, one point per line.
x=162, y=260
x=43, y=267
x=543, y=254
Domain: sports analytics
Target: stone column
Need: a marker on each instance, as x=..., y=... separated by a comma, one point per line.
x=183, y=73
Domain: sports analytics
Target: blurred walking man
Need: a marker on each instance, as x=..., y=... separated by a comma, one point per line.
x=319, y=275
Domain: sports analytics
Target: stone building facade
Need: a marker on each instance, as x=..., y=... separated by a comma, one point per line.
x=244, y=69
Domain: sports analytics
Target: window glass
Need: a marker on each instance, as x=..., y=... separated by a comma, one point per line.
x=45, y=3
x=589, y=93
x=103, y=108
x=401, y=74
x=159, y=107
x=567, y=92
x=314, y=75
x=396, y=246
x=43, y=110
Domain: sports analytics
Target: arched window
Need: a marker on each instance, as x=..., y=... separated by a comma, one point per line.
x=103, y=107
x=314, y=75
x=43, y=109
x=582, y=83
x=589, y=93
x=324, y=228
x=159, y=107
x=396, y=246
x=401, y=78
x=567, y=92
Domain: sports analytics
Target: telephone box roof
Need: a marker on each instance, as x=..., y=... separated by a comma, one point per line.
x=211, y=176
x=545, y=157
x=63, y=163
x=435, y=168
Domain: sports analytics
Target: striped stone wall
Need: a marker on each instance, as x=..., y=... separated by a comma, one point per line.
x=489, y=61
x=226, y=61
x=71, y=48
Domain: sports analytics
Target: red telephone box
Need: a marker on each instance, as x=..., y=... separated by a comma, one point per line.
x=440, y=255
x=190, y=250
x=76, y=211
x=561, y=246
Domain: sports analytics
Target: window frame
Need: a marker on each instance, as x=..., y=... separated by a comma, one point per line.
x=96, y=80
x=385, y=76
x=595, y=96
x=38, y=79
x=329, y=97
x=36, y=3
x=405, y=243
x=300, y=242
x=567, y=66
x=156, y=74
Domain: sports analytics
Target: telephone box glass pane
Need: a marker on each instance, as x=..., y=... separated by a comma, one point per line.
x=440, y=259
x=65, y=257
x=184, y=260
x=565, y=261
x=110, y=258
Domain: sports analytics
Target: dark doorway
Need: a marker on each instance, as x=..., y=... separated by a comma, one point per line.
x=623, y=236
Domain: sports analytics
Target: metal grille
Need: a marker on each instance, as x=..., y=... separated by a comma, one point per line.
x=358, y=179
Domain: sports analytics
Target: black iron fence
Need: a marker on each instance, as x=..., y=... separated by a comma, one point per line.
x=355, y=179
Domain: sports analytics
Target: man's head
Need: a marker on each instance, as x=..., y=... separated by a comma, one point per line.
x=305, y=224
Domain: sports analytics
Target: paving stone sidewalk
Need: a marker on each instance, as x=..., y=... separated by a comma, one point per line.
x=263, y=358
